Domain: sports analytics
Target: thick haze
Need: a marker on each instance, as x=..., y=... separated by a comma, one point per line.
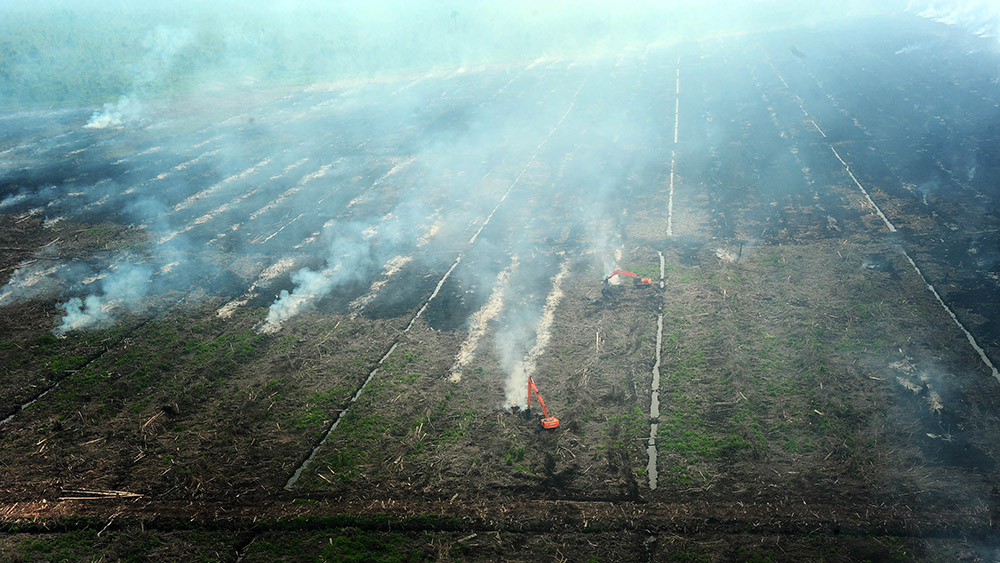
x=94, y=52
x=286, y=155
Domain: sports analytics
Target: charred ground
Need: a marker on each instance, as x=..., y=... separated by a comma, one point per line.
x=816, y=401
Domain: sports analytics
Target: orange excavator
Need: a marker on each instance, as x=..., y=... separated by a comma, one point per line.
x=549, y=422
x=639, y=281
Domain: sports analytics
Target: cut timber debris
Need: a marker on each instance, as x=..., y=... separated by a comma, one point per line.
x=96, y=494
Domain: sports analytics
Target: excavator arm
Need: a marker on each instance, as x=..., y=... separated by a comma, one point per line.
x=639, y=281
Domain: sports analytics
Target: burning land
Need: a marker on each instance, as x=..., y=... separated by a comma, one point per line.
x=754, y=278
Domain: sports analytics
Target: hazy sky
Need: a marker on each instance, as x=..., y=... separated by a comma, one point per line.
x=86, y=51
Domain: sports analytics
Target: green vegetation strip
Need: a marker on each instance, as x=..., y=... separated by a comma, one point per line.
x=551, y=517
x=370, y=522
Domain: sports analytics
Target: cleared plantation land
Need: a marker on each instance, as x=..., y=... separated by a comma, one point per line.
x=815, y=400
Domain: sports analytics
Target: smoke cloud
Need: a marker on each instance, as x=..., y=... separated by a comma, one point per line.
x=124, y=287
x=291, y=152
x=31, y=279
x=161, y=47
x=980, y=17
x=352, y=257
x=520, y=342
x=114, y=115
x=91, y=52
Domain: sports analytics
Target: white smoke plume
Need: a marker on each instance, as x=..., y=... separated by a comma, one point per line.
x=912, y=47
x=310, y=286
x=512, y=342
x=980, y=17
x=481, y=318
x=83, y=312
x=115, y=115
x=125, y=286
x=13, y=200
x=162, y=46
x=351, y=258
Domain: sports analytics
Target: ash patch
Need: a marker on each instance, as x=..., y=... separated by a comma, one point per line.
x=944, y=440
x=880, y=263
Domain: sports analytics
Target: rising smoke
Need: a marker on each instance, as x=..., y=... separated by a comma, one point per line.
x=980, y=17
x=114, y=115
x=352, y=257
x=523, y=338
x=123, y=288
x=414, y=127
x=162, y=47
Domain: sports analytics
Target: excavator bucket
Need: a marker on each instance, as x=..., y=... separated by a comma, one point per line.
x=550, y=422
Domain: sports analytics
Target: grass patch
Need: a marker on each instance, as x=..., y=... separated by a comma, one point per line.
x=688, y=436
x=319, y=408
x=514, y=455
